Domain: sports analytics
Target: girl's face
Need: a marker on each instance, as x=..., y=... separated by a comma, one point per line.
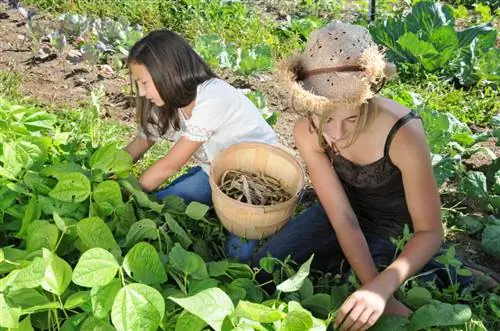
x=145, y=84
x=340, y=125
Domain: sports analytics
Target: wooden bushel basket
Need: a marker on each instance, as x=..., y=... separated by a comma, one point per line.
x=246, y=220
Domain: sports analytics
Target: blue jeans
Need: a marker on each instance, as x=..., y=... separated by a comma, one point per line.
x=311, y=232
x=195, y=186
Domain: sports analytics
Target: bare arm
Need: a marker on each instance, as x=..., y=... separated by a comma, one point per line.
x=170, y=164
x=410, y=153
x=333, y=198
x=137, y=147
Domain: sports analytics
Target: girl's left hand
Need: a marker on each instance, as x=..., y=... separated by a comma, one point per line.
x=362, y=308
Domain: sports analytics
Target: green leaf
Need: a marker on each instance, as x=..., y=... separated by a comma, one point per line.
x=188, y=321
x=64, y=209
x=25, y=325
x=104, y=158
x=187, y=262
x=485, y=33
x=217, y=268
x=426, y=16
x=57, y=274
x=258, y=312
x=72, y=187
x=491, y=240
x=77, y=299
x=391, y=323
x=39, y=120
x=211, y=305
x=179, y=232
x=297, y=321
x=102, y=298
x=319, y=304
x=267, y=263
x=444, y=168
x=295, y=282
x=61, y=225
x=439, y=314
x=473, y=184
x=27, y=277
x=422, y=51
x=494, y=304
x=306, y=290
x=143, y=229
x=445, y=41
x=93, y=232
x=471, y=224
x=108, y=192
x=41, y=234
x=197, y=286
x=59, y=170
x=143, y=265
x=418, y=296
x=32, y=213
x=9, y=316
x=137, y=307
x=196, y=210
x=94, y=324
x=96, y=267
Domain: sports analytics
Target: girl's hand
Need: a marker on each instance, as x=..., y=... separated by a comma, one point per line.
x=362, y=308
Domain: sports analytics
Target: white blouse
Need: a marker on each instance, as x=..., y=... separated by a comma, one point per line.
x=222, y=116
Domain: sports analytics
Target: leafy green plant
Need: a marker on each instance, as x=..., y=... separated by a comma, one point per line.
x=427, y=37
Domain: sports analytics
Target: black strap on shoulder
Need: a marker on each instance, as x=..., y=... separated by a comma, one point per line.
x=402, y=121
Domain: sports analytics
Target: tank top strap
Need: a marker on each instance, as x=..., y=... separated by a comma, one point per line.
x=402, y=121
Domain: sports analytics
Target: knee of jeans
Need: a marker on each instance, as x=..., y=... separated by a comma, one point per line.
x=239, y=248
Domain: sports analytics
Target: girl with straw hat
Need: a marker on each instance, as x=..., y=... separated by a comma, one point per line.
x=370, y=165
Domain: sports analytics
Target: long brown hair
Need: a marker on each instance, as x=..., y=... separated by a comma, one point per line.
x=176, y=70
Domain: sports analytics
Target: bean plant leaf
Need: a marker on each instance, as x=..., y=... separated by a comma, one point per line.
x=94, y=324
x=188, y=321
x=41, y=234
x=96, y=267
x=72, y=187
x=102, y=298
x=143, y=265
x=93, y=232
x=211, y=305
x=137, y=307
x=140, y=230
x=295, y=282
x=297, y=320
x=391, y=323
x=77, y=299
x=108, y=192
x=179, y=232
x=418, y=296
x=188, y=263
x=439, y=314
x=9, y=316
x=196, y=210
x=258, y=312
x=57, y=274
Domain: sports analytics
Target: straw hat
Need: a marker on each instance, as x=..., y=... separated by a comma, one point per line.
x=340, y=65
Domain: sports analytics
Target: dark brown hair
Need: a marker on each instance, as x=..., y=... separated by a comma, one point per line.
x=176, y=70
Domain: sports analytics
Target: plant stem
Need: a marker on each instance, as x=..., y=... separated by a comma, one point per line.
x=62, y=306
x=120, y=271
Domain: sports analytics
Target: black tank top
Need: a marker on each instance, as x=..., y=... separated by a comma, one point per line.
x=376, y=191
